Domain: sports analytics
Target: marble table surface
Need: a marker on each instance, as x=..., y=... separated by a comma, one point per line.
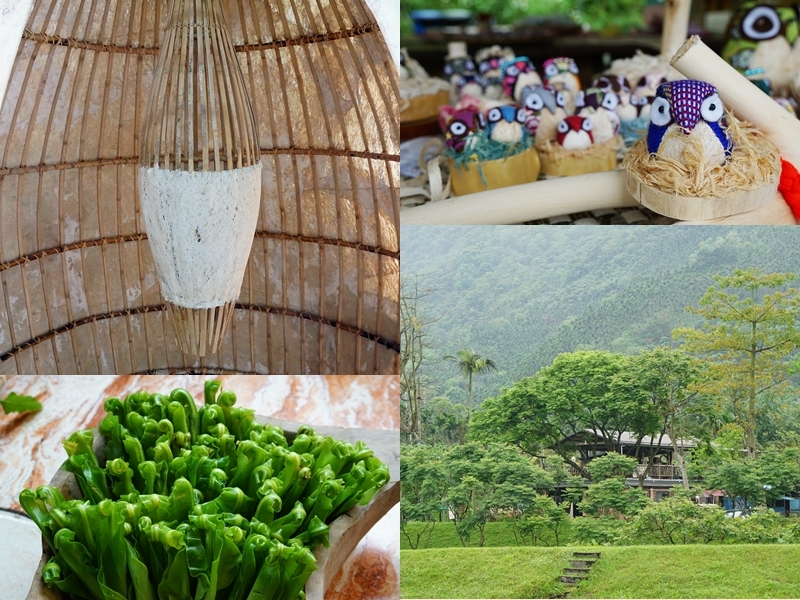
x=31, y=451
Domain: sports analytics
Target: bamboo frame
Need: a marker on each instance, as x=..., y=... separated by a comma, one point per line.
x=78, y=290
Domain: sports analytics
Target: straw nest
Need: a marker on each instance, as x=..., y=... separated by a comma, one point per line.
x=554, y=151
x=753, y=163
x=79, y=288
x=594, y=159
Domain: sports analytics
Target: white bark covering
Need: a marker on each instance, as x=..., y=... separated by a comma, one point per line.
x=200, y=226
x=13, y=17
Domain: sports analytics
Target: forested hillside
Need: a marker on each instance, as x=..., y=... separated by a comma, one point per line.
x=521, y=295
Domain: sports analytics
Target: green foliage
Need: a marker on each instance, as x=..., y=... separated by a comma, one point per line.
x=610, y=465
x=763, y=526
x=624, y=14
x=678, y=521
x=444, y=422
x=17, y=403
x=756, y=481
x=529, y=294
x=572, y=394
x=612, y=498
x=424, y=482
x=471, y=364
x=544, y=515
x=748, y=333
x=597, y=532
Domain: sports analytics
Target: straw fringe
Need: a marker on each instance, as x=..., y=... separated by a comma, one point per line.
x=325, y=96
x=754, y=162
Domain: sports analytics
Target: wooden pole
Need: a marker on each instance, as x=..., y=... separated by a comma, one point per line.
x=676, y=26
x=695, y=60
x=527, y=202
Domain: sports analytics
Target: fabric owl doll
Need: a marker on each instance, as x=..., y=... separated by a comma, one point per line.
x=490, y=67
x=517, y=73
x=600, y=107
x=562, y=73
x=575, y=133
x=461, y=126
x=688, y=109
x=506, y=123
x=548, y=121
x=536, y=100
x=761, y=35
x=622, y=88
x=470, y=84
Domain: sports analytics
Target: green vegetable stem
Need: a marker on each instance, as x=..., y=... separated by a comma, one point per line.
x=193, y=503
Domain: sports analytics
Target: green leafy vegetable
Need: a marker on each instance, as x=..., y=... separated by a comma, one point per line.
x=16, y=403
x=196, y=504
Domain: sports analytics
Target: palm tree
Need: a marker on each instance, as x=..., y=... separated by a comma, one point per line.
x=471, y=364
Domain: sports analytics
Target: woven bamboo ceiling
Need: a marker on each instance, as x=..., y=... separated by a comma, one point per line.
x=79, y=289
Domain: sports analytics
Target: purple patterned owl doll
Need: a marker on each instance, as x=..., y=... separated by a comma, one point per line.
x=684, y=109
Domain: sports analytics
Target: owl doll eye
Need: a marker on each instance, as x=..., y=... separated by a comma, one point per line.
x=521, y=116
x=551, y=70
x=470, y=66
x=659, y=112
x=513, y=71
x=485, y=67
x=494, y=115
x=563, y=127
x=711, y=108
x=573, y=68
x=458, y=128
x=560, y=100
x=610, y=101
x=534, y=102
x=586, y=125
x=761, y=23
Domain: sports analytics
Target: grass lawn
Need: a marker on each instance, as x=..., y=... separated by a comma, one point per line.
x=694, y=571
x=482, y=572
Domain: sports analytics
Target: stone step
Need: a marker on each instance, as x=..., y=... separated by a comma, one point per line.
x=586, y=554
x=582, y=564
x=571, y=579
x=574, y=571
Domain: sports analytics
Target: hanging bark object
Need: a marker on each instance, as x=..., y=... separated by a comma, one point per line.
x=199, y=173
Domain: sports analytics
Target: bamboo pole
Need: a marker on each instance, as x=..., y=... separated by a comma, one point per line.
x=520, y=203
x=676, y=26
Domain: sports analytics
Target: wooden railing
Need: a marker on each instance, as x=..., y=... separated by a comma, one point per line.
x=656, y=471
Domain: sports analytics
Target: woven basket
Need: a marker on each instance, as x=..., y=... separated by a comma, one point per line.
x=79, y=288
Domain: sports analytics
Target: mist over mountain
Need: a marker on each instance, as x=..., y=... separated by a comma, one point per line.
x=521, y=295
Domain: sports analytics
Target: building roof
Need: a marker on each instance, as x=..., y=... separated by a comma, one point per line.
x=628, y=438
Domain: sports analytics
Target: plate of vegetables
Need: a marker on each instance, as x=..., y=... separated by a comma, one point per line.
x=166, y=500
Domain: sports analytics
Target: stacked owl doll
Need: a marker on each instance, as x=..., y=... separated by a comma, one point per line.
x=581, y=134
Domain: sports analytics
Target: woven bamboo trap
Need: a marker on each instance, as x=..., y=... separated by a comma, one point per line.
x=80, y=291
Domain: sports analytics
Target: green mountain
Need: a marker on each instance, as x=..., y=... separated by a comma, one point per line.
x=520, y=295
